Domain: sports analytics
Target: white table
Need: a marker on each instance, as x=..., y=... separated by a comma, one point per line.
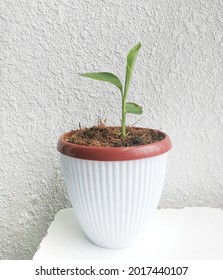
x=188, y=233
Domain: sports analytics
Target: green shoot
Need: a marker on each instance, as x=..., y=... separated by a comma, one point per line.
x=127, y=107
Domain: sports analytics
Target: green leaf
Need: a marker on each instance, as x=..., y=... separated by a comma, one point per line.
x=133, y=108
x=131, y=59
x=105, y=77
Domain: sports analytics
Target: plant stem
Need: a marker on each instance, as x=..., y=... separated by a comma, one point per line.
x=123, y=116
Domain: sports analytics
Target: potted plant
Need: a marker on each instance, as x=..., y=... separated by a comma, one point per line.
x=114, y=175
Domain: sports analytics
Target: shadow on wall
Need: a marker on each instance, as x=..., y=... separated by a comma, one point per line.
x=23, y=237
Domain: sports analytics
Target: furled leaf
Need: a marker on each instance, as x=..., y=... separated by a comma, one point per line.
x=133, y=108
x=131, y=59
x=105, y=77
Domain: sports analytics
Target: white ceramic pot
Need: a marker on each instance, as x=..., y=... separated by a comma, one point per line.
x=114, y=199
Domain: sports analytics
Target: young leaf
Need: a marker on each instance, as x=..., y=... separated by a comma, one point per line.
x=133, y=108
x=131, y=59
x=105, y=77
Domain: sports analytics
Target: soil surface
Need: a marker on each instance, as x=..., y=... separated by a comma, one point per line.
x=106, y=136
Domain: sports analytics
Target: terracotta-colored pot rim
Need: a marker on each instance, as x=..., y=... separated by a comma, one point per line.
x=113, y=153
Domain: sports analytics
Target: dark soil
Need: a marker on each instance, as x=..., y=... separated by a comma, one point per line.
x=106, y=136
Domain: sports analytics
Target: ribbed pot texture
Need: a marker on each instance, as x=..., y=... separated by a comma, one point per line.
x=114, y=201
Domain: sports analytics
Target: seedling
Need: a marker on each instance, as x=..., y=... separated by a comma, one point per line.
x=127, y=107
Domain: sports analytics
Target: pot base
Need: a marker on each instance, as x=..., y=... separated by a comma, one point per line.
x=115, y=247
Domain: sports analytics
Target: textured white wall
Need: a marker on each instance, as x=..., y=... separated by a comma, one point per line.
x=178, y=80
